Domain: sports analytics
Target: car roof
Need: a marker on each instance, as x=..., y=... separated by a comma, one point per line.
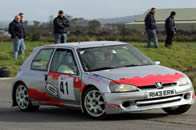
x=88, y=44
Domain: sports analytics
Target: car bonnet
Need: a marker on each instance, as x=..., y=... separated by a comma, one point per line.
x=141, y=75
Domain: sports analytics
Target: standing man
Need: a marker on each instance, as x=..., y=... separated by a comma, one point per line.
x=17, y=36
x=61, y=25
x=151, y=28
x=21, y=22
x=170, y=29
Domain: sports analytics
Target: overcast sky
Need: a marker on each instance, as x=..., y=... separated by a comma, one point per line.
x=41, y=9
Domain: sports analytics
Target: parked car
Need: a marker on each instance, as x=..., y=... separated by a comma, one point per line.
x=100, y=78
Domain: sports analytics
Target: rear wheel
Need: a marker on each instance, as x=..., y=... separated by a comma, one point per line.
x=23, y=100
x=93, y=104
x=177, y=110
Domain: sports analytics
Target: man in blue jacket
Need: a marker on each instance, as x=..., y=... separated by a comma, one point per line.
x=17, y=36
x=170, y=29
x=151, y=28
x=61, y=24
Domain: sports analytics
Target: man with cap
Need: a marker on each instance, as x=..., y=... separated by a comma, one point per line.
x=170, y=29
x=61, y=24
x=21, y=22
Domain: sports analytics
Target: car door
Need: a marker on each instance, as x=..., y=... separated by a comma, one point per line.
x=63, y=77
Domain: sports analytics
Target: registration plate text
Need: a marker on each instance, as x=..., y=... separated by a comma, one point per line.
x=161, y=93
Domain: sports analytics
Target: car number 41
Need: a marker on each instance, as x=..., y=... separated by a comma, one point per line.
x=65, y=88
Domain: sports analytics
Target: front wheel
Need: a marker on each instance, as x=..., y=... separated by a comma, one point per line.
x=177, y=110
x=23, y=100
x=93, y=104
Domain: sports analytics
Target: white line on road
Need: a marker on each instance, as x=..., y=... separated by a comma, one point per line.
x=6, y=78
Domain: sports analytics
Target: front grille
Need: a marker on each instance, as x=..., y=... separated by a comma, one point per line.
x=154, y=86
x=156, y=101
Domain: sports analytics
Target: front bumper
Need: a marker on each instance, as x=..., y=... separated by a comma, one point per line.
x=138, y=101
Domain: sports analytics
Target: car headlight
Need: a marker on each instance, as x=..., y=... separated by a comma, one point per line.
x=117, y=88
x=182, y=81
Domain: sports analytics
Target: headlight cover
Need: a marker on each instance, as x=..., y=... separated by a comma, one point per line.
x=119, y=88
x=183, y=81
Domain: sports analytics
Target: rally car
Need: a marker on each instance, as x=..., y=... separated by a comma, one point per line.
x=100, y=78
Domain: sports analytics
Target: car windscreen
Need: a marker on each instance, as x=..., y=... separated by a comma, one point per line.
x=111, y=57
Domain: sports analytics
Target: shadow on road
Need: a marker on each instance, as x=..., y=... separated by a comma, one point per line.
x=53, y=114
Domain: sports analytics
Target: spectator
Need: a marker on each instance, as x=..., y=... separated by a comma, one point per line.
x=17, y=36
x=61, y=25
x=151, y=28
x=170, y=29
x=21, y=22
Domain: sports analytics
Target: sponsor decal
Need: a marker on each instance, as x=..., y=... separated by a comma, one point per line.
x=113, y=106
x=51, y=89
x=95, y=77
x=42, y=96
x=77, y=83
x=91, y=78
x=150, y=79
x=55, y=76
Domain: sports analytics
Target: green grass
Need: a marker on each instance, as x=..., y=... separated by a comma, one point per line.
x=181, y=56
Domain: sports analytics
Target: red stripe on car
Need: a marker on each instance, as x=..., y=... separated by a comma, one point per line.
x=36, y=95
x=150, y=79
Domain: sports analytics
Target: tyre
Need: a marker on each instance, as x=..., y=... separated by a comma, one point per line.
x=177, y=110
x=23, y=100
x=93, y=104
x=4, y=72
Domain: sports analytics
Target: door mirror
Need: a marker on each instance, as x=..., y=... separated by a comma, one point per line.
x=157, y=62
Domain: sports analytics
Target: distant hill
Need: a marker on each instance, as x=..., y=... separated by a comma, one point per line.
x=118, y=20
x=4, y=24
x=84, y=22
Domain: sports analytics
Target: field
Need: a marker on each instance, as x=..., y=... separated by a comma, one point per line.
x=182, y=56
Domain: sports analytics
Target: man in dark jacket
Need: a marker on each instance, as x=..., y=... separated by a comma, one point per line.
x=17, y=36
x=170, y=29
x=61, y=24
x=151, y=28
x=21, y=21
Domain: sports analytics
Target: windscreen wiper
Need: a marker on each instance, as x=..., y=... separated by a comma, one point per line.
x=103, y=68
x=131, y=65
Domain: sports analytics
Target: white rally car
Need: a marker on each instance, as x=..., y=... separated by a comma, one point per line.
x=100, y=78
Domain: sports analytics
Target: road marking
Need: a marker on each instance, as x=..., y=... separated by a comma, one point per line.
x=6, y=78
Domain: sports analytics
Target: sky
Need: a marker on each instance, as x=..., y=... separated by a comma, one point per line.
x=40, y=10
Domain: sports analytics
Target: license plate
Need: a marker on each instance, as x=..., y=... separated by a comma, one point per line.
x=162, y=93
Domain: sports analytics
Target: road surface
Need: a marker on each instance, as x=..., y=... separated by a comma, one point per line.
x=50, y=118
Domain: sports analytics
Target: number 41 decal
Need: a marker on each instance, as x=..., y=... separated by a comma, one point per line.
x=65, y=88
x=62, y=87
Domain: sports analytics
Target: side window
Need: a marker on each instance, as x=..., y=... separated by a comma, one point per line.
x=63, y=62
x=41, y=60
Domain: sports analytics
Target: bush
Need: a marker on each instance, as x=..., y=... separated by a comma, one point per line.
x=35, y=36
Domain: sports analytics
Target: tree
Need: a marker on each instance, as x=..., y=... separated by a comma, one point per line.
x=36, y=24
x=50, y=23
x=94, y=27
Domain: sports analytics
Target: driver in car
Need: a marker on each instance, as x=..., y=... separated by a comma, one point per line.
x=109, y=58
x=67, y=65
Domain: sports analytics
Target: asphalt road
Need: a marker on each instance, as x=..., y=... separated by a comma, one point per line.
x=50, y=118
